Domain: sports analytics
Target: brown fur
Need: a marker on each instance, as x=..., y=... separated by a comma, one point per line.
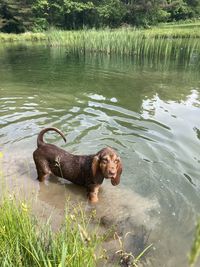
x=86, y=170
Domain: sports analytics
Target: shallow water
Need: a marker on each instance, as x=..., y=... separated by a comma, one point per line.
x=147, y=110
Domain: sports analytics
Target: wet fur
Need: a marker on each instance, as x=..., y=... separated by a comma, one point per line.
x=85, y=170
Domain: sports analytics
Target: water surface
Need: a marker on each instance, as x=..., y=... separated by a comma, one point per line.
x=147, y=110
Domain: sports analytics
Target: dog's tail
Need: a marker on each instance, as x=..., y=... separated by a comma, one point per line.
x=40, y=140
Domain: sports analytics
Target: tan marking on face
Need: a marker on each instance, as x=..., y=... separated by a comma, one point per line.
x=109, y=164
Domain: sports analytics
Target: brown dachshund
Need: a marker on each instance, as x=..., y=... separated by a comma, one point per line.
x=86, y=170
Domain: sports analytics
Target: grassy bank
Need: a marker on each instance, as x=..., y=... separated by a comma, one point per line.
x=157, y=42
x=23, y=37
x=25, y=242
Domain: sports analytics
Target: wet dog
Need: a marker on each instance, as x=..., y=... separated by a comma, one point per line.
x=86, y=170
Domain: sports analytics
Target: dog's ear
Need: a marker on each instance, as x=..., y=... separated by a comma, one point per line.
x=116, y=180
x=95, y=165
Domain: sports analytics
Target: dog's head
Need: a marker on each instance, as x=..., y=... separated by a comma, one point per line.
x=109, y=164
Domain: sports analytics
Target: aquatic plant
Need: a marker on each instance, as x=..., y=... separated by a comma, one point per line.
x=127, y=258
x=154, y=44
x=195, y=250
x=123, y=41
x=160, y=42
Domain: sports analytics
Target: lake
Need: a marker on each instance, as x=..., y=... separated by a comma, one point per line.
x=148, y=110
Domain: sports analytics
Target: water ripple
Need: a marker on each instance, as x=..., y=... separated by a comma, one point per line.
x=149, y=115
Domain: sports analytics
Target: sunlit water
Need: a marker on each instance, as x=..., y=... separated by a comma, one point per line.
x=148, y=111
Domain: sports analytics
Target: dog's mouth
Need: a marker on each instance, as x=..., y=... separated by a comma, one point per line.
x=112, y=177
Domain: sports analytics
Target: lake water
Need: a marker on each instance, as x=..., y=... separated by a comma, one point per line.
x=147, y=110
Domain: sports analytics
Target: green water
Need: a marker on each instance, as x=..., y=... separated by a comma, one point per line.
x=147, y=110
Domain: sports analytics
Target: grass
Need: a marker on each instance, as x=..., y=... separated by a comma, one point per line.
x=24, y=242
x=24, y=37
x=162, y=41
x=182, y=24
x=195, y=250
x=159, y=44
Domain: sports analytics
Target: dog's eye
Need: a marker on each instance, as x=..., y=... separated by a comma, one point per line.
x=116, y=161
x=104, y=161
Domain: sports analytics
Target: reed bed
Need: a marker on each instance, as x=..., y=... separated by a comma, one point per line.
x=160, y=42
x=124, y=41
x=153, y=43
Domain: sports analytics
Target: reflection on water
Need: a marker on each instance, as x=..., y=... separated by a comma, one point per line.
x=147, y=111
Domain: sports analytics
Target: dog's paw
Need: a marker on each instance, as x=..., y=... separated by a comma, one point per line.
x=93, y=198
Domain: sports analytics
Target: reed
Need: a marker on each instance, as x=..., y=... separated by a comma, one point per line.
x=161, y=42
x=124, y=40
x=154, y=43
x=195, y=250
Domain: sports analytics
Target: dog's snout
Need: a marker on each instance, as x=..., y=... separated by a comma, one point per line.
x=111, y=172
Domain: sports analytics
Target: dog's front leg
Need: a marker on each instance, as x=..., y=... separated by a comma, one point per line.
x=93, y=190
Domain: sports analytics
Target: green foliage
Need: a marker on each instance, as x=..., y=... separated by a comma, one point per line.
x=111, y=12
x=40, y=24
x=76, y=13
x=47, y=13
x=195, y=250
x=20, y=16
x=15, y=16
x=180, y=11
x=24, y=242
x=162, y=16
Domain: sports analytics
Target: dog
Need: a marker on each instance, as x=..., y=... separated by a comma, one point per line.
x=85, y=170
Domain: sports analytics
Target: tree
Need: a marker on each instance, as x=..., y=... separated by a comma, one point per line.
x=145, y=12
x=22, y=15
x=77, y=13
x=111, y=12
x=15, y=16
x=195, y=6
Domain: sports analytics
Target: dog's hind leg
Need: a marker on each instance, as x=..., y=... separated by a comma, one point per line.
x=43, y=169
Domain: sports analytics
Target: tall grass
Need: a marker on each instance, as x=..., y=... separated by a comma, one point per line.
x=24, y=242
x=156, y=42
x=123, y=41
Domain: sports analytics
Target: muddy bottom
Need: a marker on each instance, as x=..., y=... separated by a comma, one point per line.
x=130, y=216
